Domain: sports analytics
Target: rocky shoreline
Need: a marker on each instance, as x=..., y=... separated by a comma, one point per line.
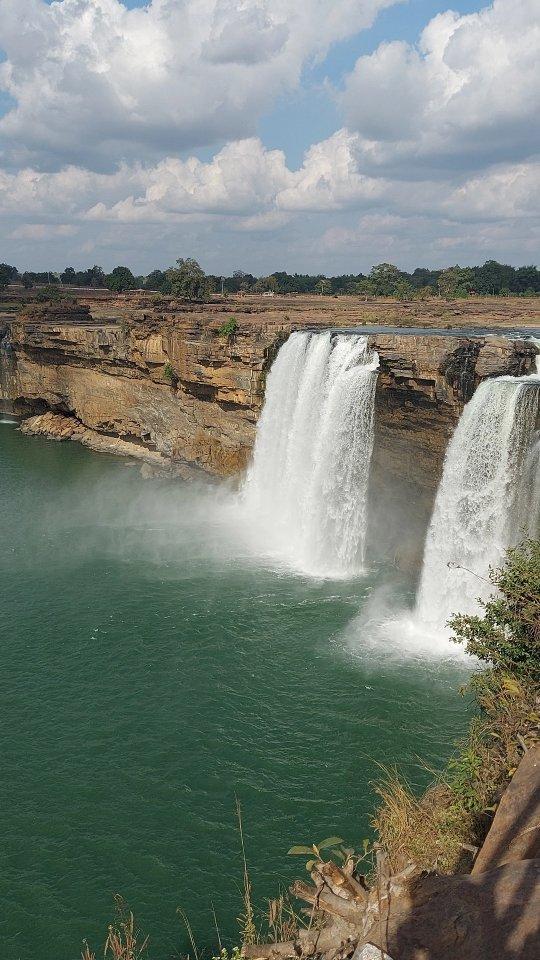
x=54, y=426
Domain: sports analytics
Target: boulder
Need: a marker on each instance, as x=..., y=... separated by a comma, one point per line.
x=491, y=916
x=515, y=832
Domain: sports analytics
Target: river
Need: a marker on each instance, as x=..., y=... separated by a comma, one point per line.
x=154, y=664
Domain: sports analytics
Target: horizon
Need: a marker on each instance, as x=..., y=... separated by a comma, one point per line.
x=56, y=273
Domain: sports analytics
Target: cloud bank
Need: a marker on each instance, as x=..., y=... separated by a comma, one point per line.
x=438, y=157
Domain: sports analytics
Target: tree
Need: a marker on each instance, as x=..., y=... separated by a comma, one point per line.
x=455, y=282
x=424, y=293
x=403, y=290
x=7, y=275
x=526, y=280
x=492, y=277
x=385, y=278
x=95, y=277
x=266, y=285
x=69, y=277
x=365, y=287
x=422, y=278
x=508, y=634
x=158, y=280
x=189, y=281
x=120, y=279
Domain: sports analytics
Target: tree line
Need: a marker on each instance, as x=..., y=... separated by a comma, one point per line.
x=188, y=280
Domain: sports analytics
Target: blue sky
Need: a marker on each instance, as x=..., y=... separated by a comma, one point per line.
x=311, y=107
x=269, y=134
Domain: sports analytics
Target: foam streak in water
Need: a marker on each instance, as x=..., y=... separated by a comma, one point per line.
x=478, y=512
x=308, y=482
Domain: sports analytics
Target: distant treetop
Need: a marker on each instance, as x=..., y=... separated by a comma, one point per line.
x=187, y=280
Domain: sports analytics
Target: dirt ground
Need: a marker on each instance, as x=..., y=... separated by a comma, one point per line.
x=496, y=312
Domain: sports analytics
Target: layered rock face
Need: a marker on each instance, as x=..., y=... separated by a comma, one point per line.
x=186, y=392
x=189, y=393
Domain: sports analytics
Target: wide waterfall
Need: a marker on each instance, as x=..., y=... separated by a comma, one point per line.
x=308, y=481
x=486, y=498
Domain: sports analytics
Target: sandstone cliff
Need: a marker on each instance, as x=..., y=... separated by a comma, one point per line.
x=179, y=388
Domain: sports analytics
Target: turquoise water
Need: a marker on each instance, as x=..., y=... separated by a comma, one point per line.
x=152, y=665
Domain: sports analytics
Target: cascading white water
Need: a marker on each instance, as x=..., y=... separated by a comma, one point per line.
x=308, y=481
x=478, y=513
x=529, y=514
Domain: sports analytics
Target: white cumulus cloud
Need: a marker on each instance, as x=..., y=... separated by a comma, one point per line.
x=93, y=82
x=466, y=96
x=440, y=151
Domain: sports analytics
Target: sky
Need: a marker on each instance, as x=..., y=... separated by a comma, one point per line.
x=320, y=136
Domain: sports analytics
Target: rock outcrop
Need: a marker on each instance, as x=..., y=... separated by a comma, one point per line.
x=491, y=914
x=55, y=426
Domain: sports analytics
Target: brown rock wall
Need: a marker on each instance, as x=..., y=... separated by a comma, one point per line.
x=193, y=395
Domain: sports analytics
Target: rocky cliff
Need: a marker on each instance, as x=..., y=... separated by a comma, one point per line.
x=181, y=388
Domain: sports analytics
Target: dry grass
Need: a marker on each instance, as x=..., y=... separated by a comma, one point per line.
x=124, y=941
x=423, y=831
x=283, y=922
x=246, y=919
x=435, y=831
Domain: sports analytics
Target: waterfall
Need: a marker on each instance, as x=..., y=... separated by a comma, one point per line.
x=529, y=498
x=480, y=509
x=307, y=484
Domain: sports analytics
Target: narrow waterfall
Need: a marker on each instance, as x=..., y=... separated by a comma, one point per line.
x=479, y=510
x=308, y=481
x=529, y=498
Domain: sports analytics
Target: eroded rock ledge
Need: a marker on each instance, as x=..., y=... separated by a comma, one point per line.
x=56, y=426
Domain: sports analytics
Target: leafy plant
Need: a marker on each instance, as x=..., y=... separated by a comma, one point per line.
x=332, y=845
x=508, y=634
x=229, y=328
x=170, y=374
x=464, y=772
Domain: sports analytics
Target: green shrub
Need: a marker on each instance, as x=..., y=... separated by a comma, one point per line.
x=229, y=328
x=170, y=374
x=508, y=634
x=48, y=294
